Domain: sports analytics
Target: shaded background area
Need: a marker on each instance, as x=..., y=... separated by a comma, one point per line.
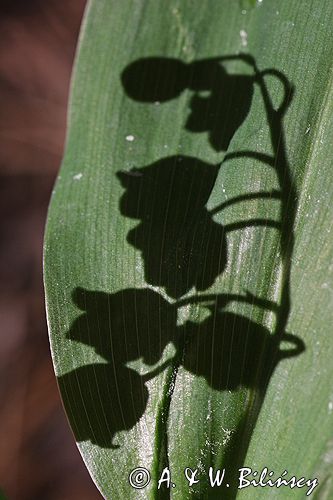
x=38, y=457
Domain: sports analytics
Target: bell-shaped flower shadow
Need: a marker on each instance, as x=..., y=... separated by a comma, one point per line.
x=220, y=100
x=228, y=350
x=181, y=245
x=102, y=399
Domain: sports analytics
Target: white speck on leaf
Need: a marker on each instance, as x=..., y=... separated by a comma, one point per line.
x=308, y=128
x=130, y=138
x=227, y=436
x=78, y=176
x=243, y=35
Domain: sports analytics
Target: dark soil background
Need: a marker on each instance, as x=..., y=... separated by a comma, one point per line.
x=38, y=455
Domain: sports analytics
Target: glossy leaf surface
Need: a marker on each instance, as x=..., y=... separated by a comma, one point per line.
x=188, y=249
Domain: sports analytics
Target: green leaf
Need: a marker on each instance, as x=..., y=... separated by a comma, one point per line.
x=188, y=248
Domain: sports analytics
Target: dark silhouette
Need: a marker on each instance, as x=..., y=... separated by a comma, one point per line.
x=122, y=327
x=182, y=247
x=181, y=244
x=152, y=79
x=184, y=250
x=138, y=324
x=220, y=113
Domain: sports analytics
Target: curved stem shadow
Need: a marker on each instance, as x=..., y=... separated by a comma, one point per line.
x=184, y=249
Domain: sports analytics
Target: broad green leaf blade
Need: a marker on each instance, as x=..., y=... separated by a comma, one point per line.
x=188, y=256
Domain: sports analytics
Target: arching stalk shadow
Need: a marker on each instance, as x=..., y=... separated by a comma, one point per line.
x=184, y=249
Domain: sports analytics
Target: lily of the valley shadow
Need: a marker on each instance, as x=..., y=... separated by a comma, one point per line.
x=184, y=250
x=182, y=247
x=137, y=324
x=220, y=101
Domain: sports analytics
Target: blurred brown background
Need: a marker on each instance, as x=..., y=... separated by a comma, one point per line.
x=38, y=458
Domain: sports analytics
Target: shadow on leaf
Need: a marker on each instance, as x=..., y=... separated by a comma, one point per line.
x=138, y=324
x=184, y=250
